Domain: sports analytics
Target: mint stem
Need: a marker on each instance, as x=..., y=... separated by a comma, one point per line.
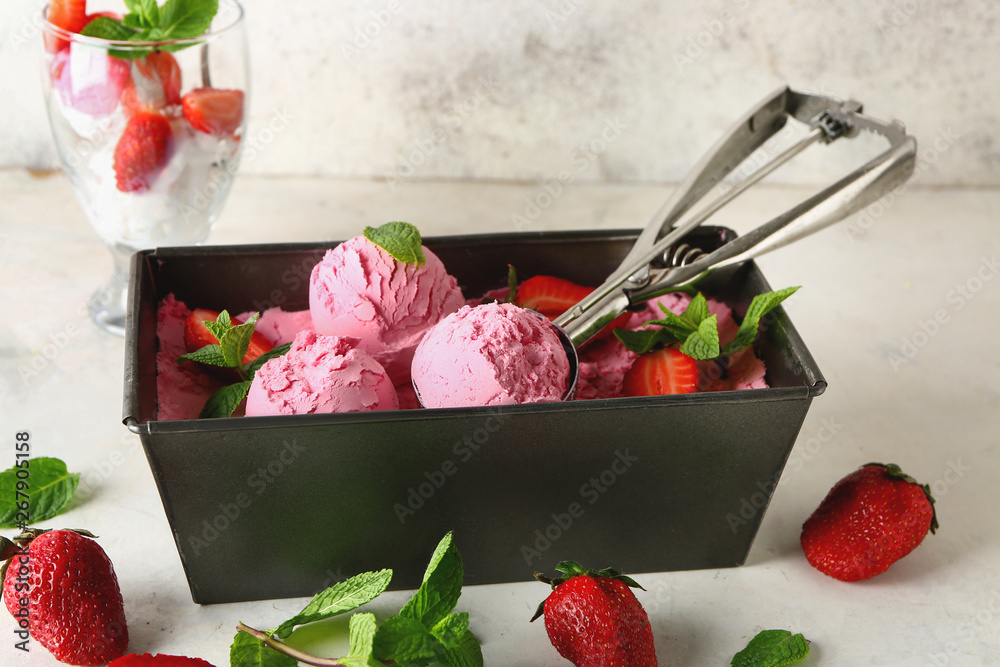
x=282, y=647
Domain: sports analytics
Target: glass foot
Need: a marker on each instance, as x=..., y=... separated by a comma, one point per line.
x=108, y=306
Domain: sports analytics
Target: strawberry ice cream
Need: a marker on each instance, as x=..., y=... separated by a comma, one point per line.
x=320, y=374
x=493, y=354
x=360, y=290
x=181, y=389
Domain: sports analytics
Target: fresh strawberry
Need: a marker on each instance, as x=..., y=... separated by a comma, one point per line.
x=197, y=335
x=155, y=84
x=70, y=15
x=552, y=297
x=868, y=521
x=666, y=370
x=142, y=150
x=214, y=110
x=159, y=660
x=594, y=620
x=68, y=586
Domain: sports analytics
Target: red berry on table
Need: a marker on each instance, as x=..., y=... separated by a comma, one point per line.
x=74, y=605
x=869, y=520
x=197, y=335
x=214, y=110
x=665, y=370
x=594, y=620
x=159, y=660
x=70, y=15
x=142, y=150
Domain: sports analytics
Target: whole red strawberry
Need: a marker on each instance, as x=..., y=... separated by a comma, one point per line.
x=594, y=620
x=158, y=660
x=868, y=521
x=142, y=150
x=70, y=590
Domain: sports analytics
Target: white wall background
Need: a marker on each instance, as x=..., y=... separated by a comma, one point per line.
x=512, y=89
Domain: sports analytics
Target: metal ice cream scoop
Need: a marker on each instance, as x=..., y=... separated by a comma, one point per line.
x=658, y=263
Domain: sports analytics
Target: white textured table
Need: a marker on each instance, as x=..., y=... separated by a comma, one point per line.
x=900, y=309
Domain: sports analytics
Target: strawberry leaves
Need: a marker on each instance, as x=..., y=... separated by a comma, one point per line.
x=697, y=330
x=772, y=648
x=229, y=352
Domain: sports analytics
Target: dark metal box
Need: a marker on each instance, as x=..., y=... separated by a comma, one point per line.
x=270, y=507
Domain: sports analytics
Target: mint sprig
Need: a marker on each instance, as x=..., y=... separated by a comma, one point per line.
x=39, y=494
x=399, y=239
x=697, y=330
x=425, y=631
x=772, y=648
x=148, y=22
x=228, y=353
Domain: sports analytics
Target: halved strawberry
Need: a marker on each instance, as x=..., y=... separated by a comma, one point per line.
x=197, y=335
x=142, y=150
x=155, y=84
x=552, y=297
x=666, y=370
x=214, y=110
x=70, y=15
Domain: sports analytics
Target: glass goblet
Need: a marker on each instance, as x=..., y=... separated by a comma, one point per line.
x=149, y=134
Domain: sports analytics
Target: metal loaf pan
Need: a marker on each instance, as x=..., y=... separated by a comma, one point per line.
x=271, y=507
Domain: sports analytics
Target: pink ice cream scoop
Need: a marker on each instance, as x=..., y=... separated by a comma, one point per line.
x=493, y=354
x=88, y=79
x=360, y=290
x=320, y=374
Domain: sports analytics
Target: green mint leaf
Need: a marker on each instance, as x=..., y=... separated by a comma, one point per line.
x=703, y=343
x=450, y=629
x=399, y=239
x=339, y=598
x=210, y=354
x=105, y=27
x=134, y=21
x=772, y=648
x=679, y=324
x=466, y=653
x=184, y=19
x=362, y=632
x=644, y=340
x=223, y=402
x=405, y=641
x=220, y=326
x=46, y=489
x=254, y=366
x=248, y=651
x=697, y=311
x=149, y=11
x=441, y=587
x=761, y=305
x=236, y=340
